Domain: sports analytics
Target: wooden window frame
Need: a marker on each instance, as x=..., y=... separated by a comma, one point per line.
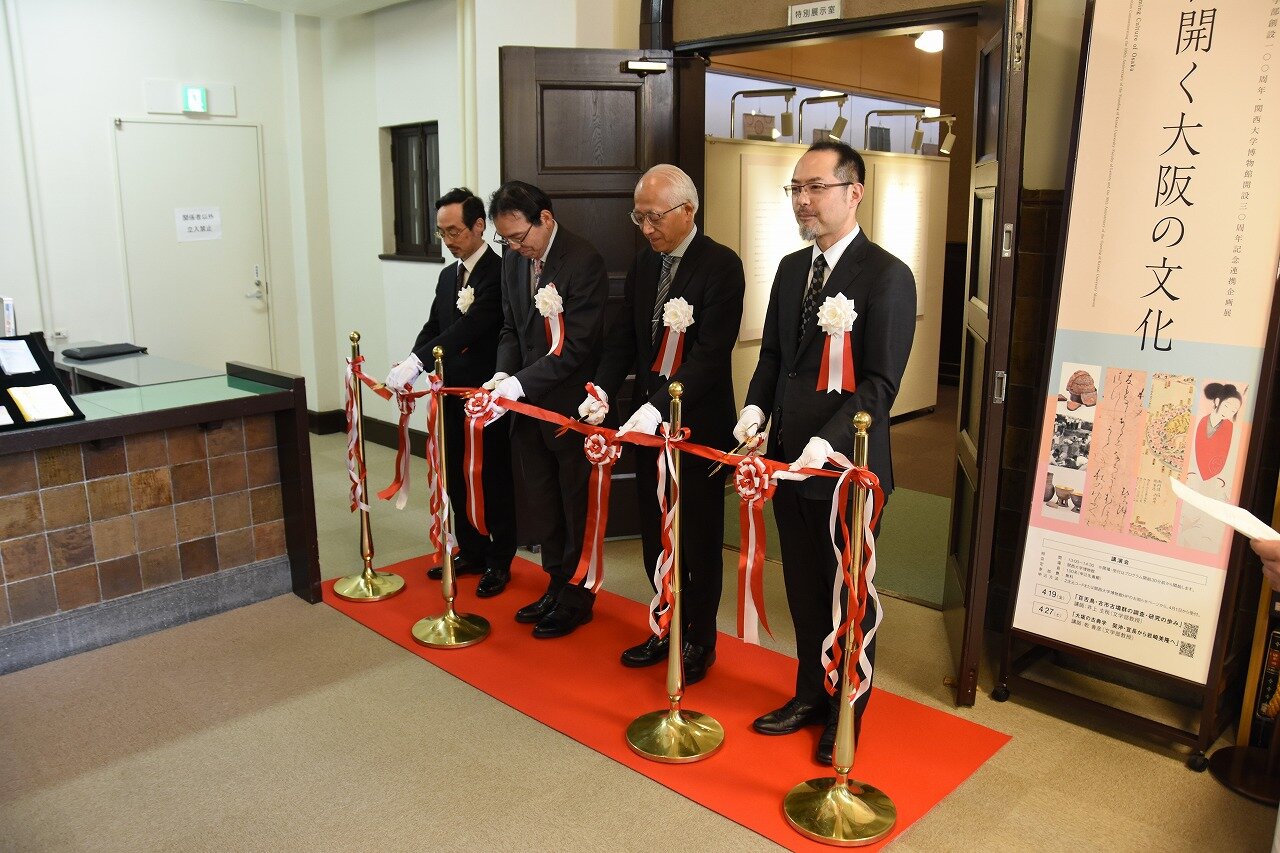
x=415, y=191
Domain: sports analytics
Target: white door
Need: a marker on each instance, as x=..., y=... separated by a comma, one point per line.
x=195, y=250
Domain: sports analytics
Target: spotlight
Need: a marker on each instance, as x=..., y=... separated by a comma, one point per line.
x=949, y=140
x=825, y=99
x=930, y=41
x=786, y=92
x=837, y=129
x=866, y=125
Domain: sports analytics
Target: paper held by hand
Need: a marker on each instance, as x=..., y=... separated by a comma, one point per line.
x=1233, y=516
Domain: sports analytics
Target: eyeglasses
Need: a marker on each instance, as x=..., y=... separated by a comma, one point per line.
x=504, y=242
x=815, y=189
x=652, y=218
x=450, y=233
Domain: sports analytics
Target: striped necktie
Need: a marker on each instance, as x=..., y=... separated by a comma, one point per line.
x=664, y=287
x=812, y=293
x=535, y=277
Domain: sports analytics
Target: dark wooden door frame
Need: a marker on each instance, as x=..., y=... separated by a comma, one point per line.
x=656, y=20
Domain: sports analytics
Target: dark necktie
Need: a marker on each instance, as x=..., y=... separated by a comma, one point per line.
x=664, y=287
x=535, y=277
x=811, y=294
x=462, y=276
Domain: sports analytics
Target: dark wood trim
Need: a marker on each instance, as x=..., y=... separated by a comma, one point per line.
x=655, y=24
x=881, y=25
x=327, y=422
x=436, y=258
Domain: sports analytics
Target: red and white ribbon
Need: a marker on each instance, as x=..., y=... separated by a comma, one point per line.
x=441, y=531
x=399, y=488
x=849, y=618
x=663, y=599
x=836, y=370
x=754, y=487
x=602, y=455
x=476, y=410
x=551, y=306
x=669, y=354
x=355, y=456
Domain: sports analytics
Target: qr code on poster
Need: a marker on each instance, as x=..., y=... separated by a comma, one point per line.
x=1190, y=630
x=1187, y=650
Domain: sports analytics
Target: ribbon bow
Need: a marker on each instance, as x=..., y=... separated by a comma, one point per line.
x=754, y=486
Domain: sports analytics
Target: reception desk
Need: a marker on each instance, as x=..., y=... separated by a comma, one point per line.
x=168, y=503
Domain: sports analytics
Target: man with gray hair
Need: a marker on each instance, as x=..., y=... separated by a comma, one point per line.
x=679, y=322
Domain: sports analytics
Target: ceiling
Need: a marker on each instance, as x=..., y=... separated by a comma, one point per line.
x=320, y=8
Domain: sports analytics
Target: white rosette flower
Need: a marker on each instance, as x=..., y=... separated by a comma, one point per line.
x=548, y=301
x=836, y=314
x=466, y=296
x=677, y=315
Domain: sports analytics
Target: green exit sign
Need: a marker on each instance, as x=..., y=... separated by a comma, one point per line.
x=195, y=99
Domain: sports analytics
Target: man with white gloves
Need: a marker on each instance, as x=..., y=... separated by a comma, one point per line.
x=554, y=287
x=683, y=293
x=465, y=320
x=843, y=295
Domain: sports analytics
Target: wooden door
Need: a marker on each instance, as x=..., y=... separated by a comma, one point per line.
x=578, y=126
x=191, y=208
x=999, y=110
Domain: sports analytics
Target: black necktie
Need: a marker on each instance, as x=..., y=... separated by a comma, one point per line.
x=810, y=305
x=462, y=276
x=664, y=287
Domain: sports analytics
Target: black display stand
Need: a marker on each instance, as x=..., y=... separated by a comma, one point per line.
x=46, y=375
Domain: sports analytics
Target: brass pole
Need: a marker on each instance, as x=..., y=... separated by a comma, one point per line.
x=449, y=630
x=841, y=811
x=368, y=585
x=675, y=736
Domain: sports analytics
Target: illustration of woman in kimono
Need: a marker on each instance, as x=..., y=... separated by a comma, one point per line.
x=1212, y=449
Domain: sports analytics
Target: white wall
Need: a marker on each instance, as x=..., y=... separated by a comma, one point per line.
x=18, y=277
x=80, y=65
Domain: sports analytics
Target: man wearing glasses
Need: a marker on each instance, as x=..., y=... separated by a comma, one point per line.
x=792, y=390
x=465, y=320
x=554, y=288
x=683, y=280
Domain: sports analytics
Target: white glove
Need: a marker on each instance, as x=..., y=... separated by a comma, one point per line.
x=494, y=380
x=814, y=455
x=750, y=423
x=592, y=410
x=405, y=373
x=508, y=388
x=646, y=420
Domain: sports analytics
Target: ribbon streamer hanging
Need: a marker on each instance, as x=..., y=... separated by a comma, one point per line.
x=669, y=354
x=836, y=371
x=751, y=480
x=476, y=412
x=602, y=455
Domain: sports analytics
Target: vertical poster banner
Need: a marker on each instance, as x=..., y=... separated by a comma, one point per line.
x=1167, y=283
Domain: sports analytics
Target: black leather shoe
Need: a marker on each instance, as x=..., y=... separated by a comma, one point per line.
x=461, y=566
x=697, y=660
x=562, y=620
x=493, y=582
x=826, y=744
x=651, y=651
x=534, y=612
x=791, y=717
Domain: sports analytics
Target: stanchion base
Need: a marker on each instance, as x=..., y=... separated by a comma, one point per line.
x=848, y=815
x=1243, y=769
x=451, y=630
x=363, y=587
x=675, y=737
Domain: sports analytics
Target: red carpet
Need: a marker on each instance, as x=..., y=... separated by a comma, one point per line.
x=914, y=754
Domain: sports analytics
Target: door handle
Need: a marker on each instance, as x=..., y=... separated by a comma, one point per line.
x=256, y=291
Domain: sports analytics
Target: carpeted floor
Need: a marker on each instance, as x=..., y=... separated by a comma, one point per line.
x=915, y=754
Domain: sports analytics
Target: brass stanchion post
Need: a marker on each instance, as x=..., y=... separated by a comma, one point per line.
x=675, y=736
x=450, y=630
x=841, y=811
x=368, y=585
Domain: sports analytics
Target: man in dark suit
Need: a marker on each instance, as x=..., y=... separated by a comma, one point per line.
x=808, y=422
x=465, y=320
x=682, y=272
x=554, y=288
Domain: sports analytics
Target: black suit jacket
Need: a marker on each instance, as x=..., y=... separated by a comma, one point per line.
x=470, y=340
x=710, y=279
x=554, y=382
x=785, y=382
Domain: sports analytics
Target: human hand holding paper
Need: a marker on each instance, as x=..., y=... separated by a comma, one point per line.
x=1233, y=516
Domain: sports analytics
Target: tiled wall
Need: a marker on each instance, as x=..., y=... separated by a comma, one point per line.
x=80, y=524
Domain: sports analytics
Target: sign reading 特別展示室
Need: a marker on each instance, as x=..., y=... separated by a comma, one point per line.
x=1167, y=282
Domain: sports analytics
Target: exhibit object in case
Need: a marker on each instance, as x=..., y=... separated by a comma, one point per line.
x=31, y=393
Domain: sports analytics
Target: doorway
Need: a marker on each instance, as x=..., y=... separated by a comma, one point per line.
x=191, y=213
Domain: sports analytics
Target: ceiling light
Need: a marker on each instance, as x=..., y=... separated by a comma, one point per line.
x=930, y=41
